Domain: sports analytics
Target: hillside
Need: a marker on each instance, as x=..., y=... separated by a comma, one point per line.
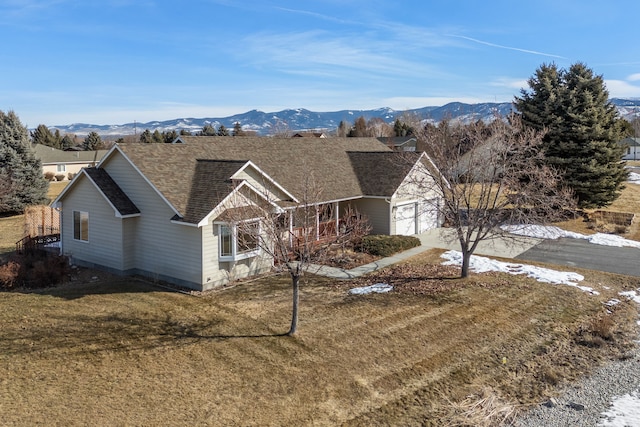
x=301, y=119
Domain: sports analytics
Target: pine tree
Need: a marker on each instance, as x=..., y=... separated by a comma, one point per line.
x=583, y=130
x=92, y=142
x=146, y=137
x=208, y=130
x=21, y=180
x=237, y=129
x=223, y=131
x=157, y=137
x=42, y=135
x=67, y=141
x=169, y=136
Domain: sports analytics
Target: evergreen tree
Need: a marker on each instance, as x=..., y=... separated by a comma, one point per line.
x=146, y=137
x=42, y=135
x=157, y=137
x=583, y=130
x=208, y=130
x=67, y=141
x=223, y=131
x=184, y=132
x=169, y=136
x=92, y=142
x=237, y=129
x=21, y=180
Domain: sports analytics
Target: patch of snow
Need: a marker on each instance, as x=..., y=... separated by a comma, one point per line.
x=553, y=232
x=634, y=178
x=378, y=288
x=624, y=411
x=631, y=295
x=612, y=302
x=480, y=264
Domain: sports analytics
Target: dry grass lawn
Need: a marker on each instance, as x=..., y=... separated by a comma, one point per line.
x=118, y=351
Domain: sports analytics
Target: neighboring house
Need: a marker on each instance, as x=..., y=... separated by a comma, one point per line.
x=400, y=143
x=162, y=210
x=308, y=135
x=633, y=148
x=62, y=163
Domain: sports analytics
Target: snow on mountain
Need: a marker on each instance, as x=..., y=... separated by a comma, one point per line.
x=302, y=119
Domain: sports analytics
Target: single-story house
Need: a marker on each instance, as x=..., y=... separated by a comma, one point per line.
x=64, y=164
x=633, y=148
x=309, y=135
x=158, y=210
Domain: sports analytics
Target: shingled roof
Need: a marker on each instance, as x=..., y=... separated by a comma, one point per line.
x=194, y=175
x=114, y=194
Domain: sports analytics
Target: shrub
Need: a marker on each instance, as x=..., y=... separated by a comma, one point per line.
x=71, y=175
x=382, y=245
x=49, y=176
x=60, y=177
x=9, y=273
x=34, y=269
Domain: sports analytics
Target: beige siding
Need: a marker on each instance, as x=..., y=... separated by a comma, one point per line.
x=159, y=247
x=217, y=273
x=376, y=211
x=73, y=168
x=104, y=246
x=263, y=186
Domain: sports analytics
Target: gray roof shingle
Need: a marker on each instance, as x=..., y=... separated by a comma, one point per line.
x=112, y=191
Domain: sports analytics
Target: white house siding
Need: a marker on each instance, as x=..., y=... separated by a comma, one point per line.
x=104, y=246
x=376, y=211
x=161, y=249
x=415, y=191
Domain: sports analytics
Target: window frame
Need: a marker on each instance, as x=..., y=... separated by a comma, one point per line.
x=229, y=247
x=61, y=167
x=81, y=226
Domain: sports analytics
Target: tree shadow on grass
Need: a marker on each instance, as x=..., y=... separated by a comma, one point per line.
x=83, y=334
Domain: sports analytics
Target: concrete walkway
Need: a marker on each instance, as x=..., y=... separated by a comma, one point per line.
x=442, y=238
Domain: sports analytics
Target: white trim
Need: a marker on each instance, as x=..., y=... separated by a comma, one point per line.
x=271, y=180
x=235, y=256
x=204, y=221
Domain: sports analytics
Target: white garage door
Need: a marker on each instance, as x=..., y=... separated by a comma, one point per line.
x=406, y=219
x=427, y=215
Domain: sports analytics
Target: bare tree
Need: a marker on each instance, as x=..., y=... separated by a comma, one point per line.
x=295, y=237
x=490, y=176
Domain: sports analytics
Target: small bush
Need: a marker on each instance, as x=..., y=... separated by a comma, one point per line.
x=382, y=245
x=34, y=269
x=49, y=176
x=9, y=274
x=60, y=177
x=71, y=175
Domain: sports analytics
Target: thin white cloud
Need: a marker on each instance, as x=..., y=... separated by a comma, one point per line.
x=634, y=77
x=622, y=89
x=533, y=52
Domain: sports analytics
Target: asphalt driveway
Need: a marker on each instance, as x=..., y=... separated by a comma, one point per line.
x=580, y=253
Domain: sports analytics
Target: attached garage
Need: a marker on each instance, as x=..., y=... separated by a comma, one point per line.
x=416, y=217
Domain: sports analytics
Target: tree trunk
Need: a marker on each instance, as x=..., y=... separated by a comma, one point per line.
x=466, y=259
x=295, y=280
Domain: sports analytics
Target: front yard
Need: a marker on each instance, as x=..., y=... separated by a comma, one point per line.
x=111, y=351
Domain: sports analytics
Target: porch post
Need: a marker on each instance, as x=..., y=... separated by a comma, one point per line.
x=290, y=229
x=336, y=214
x=317, y=223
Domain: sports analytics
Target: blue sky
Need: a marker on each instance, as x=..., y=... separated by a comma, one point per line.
x=116, y=61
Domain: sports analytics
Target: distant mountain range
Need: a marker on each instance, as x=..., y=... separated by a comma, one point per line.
x=301, y=119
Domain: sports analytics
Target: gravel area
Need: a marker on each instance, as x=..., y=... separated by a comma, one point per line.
x=583, y=403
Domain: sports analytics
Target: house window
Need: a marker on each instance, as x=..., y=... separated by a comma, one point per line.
x=238, y=241
x=81, y=226
x=61, y=168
